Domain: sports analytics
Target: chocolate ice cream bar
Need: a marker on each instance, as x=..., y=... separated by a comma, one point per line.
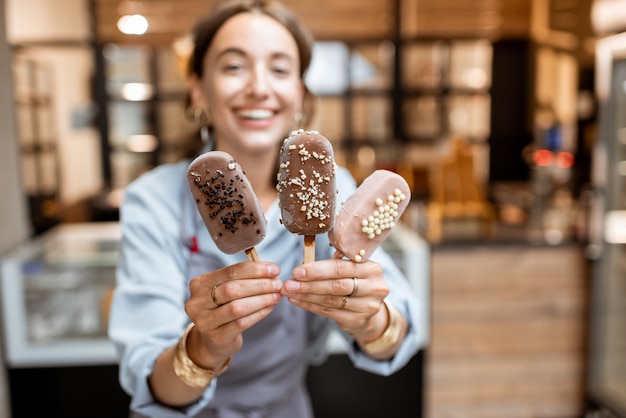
x=227, y=203
x=306, y=186
x=368, y=216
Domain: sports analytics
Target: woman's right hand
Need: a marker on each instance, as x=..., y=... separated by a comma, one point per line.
x=224, y=303
x=245, y=293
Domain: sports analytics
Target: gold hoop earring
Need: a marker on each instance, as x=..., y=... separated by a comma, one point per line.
x=298, y=117
x=199, y=116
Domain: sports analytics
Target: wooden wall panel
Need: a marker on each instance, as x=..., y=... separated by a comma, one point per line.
x=350, y=19
x=508, y=333
x=491, y=19
x=331, y=19
x=169, y=19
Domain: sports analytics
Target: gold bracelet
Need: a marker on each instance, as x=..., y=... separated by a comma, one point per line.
x=187, y=370
x=390, y=336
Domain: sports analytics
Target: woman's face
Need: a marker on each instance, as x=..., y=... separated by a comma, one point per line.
x=251, y=86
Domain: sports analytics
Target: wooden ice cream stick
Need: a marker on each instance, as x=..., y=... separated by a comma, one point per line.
x=252, y=254
x=309, y=248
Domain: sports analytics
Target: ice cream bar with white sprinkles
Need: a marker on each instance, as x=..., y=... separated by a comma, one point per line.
x=227, y=203
x=368, y=216
x=306, y=186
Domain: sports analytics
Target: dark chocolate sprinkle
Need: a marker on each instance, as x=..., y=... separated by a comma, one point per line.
x=219, y=197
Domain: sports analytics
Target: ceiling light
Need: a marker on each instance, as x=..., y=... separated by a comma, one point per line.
x=132, y=24
x=137, y=91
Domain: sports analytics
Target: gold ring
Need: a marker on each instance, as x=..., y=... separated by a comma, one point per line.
x=213, y=297
x=355, y=288
x=344, y=300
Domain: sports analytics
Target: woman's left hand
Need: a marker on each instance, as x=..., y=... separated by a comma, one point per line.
x=348, y=292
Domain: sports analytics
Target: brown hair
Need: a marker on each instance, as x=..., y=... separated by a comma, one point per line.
x=206, y=28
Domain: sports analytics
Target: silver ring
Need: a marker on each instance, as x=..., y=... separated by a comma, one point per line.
x=344, y=300
x=355, y=289
x=213, y=297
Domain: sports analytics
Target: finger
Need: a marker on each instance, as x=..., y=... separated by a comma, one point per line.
x=239, y=271
x=241, y=314
x=228, y=332
x=248, y=270
x=350, y=314
x=333, y=308
x=232, y=316
x=238, y=289
x=207, y=295
x=339, y=287
x=331, y=268
x=236, y=327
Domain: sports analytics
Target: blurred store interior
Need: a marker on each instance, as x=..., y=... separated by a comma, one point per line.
x=506, y=117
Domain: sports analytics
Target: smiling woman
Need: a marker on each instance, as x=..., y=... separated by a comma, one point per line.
x=202, y=331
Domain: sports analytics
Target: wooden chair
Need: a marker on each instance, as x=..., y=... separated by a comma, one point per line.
x=456, y=194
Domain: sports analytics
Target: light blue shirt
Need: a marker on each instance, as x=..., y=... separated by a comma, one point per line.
x=164, y=245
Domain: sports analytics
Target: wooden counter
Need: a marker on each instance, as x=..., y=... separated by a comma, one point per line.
x=508, y=332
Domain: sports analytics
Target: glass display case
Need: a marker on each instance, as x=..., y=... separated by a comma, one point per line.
x=55, y=292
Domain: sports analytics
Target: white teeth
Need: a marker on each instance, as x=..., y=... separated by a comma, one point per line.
x=256, y=113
